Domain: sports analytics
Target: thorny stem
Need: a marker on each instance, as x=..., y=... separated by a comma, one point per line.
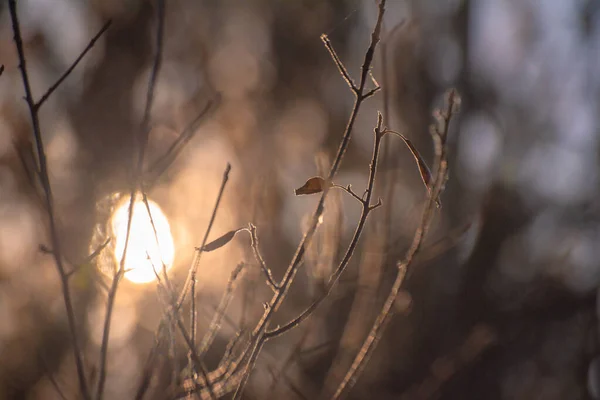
x=383, y=318
x=45, y=180
x=258, y=334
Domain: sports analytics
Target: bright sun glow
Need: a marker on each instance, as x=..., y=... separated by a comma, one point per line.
x=145, y=254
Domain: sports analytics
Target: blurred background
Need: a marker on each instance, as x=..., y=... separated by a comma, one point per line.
x=502, y=302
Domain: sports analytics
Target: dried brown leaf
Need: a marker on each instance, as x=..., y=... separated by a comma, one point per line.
x=421, y=164
x=315, y=184
x=221, y=241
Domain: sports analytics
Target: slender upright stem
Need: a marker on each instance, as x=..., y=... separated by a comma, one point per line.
x=136, y=184
x=284, y=286
x=45, y=180
x=384, y=316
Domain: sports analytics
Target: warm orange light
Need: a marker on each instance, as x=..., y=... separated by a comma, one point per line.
x=146, y=251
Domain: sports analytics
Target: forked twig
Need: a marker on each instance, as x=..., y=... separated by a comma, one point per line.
x=258, y=335
x=439, y=137
x=367, y=207
x=45, y=180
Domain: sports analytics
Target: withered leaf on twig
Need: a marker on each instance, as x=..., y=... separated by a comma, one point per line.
x=221, y=241
x=423, y=168
x=315, y=184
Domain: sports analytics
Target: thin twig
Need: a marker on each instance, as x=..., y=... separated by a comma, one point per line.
x=215, y=324
x=193, y=323
x=165, y=299
x=199, y=365
x=258, y=333
x=293, y=355
x=199, y=250
x=367, y=207
x=191, y=273
x=160, y=27
x=169, y=286
x=239, y=391
x=339, y=63
x=383, y=318
x=89, y=258
x=263, y=266
x=51, y=377
x=160, y=165
x=389, y=161
x=195, y=364
x=45, y=180
x=64, y=76
x=348, y=189
x=136, y=181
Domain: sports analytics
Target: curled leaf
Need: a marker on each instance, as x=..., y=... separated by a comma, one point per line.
x=315, y=184
x=221, y=241
x=421, y=164
x=424, y=170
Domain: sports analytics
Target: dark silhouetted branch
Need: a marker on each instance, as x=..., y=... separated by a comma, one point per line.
x=45, y=180
x=64, y=76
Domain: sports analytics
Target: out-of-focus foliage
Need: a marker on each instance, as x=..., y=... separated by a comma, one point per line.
x=502, y=304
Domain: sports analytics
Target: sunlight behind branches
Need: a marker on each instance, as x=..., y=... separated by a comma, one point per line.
x=146, y=252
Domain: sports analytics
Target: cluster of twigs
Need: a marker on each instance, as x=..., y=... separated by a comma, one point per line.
x=241, y=355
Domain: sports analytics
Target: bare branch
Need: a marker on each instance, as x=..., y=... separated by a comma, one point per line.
x=366, y=209
x=143, y=136
x=51, y=377
x=64, y=76
x=199, y=250
x=404, y=269
x=199, y=365
x=135, y=184
x=261, y=262
x=191, y=275
x=339, y=63
x=258, y=335
x=371, y=92
x=215, y=324
x=169, y=287
x=348, y=189
x=45, y=180
x=89, y=258
x=162, y=164
x=193, y=323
